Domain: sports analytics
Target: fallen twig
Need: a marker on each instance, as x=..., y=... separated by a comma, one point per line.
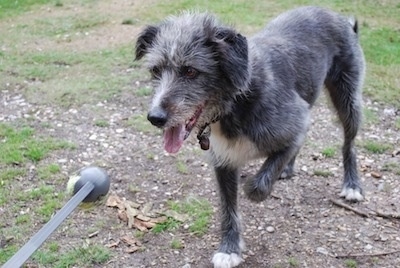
x=355, y=255
x=93, y=234
x=387, y=215
x=340, y=204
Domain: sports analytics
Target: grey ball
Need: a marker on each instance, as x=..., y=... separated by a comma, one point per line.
x=98, y=177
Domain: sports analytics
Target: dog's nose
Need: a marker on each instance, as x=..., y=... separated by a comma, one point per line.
x=157, y=117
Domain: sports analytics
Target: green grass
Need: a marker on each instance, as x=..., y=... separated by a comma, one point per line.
x=293, y=262
x=381, y=45
x=12, y=7
x=370, y=116
x=176, y=244
x=7, y=252
x=322, y=173
x=27, y=194
x=168, y=225
x=199, y=210
x=392, y=166
x=101, y=123
x=21, y=145
x=397, y=123
x=140, y=123
x=85, y=256
x=329, y=152
x=144, y=91
x=349, y=263
x=182, y=167
x=70, y=79
x=376, y=147
x=46, y=172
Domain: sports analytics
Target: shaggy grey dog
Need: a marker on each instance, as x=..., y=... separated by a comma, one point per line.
x=251, y=98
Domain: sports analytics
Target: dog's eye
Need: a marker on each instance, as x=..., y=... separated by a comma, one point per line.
x=155, y=72
x=189, y=72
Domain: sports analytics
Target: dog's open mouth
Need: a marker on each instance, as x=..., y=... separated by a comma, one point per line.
x=175, y=136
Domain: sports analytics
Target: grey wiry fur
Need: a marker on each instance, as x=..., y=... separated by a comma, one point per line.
x=255, y=95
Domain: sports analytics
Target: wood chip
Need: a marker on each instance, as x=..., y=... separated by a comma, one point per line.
x=376, y=175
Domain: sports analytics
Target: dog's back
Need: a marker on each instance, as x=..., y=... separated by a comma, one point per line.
x=309, y=36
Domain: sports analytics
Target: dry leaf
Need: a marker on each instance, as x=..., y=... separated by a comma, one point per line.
x=159, y=219
x=115, y=201
x=175, y=215
x=138, y=224
x=143, y=217
x=122, y=215
x=147, y=208
x=113, y=245
x=131, y=213
x=129, y=240
x=132, y=204
x=148, y=224
x=131, y=250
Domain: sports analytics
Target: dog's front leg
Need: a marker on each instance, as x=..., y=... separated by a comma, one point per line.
x=260, y=186
x=229, y=252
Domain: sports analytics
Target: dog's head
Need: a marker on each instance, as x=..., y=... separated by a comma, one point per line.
x=198, y=67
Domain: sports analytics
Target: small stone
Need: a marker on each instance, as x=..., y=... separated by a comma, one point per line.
x=322, y=250
x=270, y=229
x=93, y=137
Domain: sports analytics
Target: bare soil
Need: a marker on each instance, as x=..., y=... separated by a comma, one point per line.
x=298, y=226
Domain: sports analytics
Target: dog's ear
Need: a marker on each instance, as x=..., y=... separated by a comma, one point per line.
x=233, y=55
x=145, y=41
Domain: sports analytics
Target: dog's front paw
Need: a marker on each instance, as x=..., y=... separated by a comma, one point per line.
x=225, y=260
x=351, y=194
x=257, y=190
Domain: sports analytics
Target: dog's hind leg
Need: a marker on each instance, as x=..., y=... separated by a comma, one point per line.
x=344, y=83
x=230, y=249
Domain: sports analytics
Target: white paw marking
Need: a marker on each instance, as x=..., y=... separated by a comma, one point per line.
x=224, y=260
x=351, y=194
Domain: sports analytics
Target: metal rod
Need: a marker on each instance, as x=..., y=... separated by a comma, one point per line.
x=37, y=240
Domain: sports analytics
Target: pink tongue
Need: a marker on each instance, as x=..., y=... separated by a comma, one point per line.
x=173, y=138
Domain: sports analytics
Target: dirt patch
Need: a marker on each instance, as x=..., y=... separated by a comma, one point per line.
x=298, y=226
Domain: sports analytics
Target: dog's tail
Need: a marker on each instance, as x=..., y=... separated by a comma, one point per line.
x=354, y=24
